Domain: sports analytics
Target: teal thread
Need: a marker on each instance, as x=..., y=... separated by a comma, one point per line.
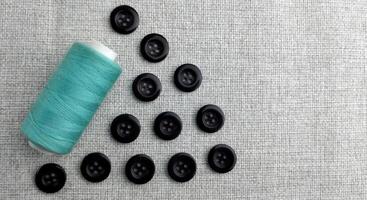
x=69, y=100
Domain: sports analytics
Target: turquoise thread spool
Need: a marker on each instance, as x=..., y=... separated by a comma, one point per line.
x=73, y=94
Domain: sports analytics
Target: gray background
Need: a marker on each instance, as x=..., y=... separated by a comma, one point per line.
x=289, y=75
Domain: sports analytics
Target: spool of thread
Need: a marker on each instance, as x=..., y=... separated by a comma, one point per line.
x=73, y=94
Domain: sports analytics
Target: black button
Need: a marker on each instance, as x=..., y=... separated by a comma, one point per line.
x=95, y=167
x=210, y=118
x=50, y=178
x=154, y=47
x=147, y=87
x=140, y=169
x=182, y=167
x=187, y=77
x=222, y=158
x=167, y=125
x=125, y=128
x=124, y=19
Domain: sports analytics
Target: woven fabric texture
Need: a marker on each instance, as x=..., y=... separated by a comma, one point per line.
x=290, y=77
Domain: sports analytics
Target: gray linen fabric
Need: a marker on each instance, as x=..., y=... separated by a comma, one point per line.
x=289, y=75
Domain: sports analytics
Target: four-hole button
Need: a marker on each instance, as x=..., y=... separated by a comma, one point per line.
x=95, y=167
x=140, y=169
x=187, y=77
x=222, y=158
x=154, y=47
x=181, y=167
x=50, y=178
x=124, y=19
x=210, y=118
x=125, y=128
x=167, y=125
x=147, y=87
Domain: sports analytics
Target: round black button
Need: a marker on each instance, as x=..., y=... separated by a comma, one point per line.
x=124, y=19
x=154, y=47
x=50, y=178
x=125, y=128
x=187, y=77
x=140, y=169
x=167, y=125
x=182, y=167
x=95, y=167
x=210, y=118
x=222, y=158
x=147, y=87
